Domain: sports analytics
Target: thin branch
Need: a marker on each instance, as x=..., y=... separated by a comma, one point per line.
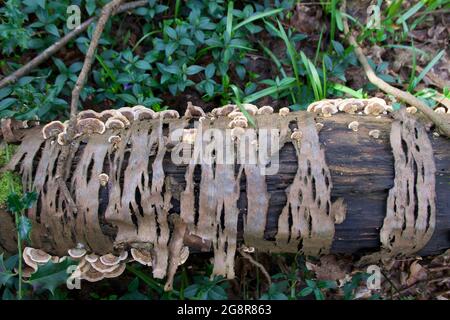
x=107, y=10
x=257, y=264
x=441, y=123
x=61, y=166
x=47, y=53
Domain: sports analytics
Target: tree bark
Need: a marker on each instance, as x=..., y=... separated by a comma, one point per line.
x=362, y=171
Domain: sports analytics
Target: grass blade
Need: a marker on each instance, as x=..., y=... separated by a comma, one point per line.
x=257, y=17
x=429, y=66
x=237, y=100
x=290, y=83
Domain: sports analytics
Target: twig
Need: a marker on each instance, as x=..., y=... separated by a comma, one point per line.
x=428, y=281
x=257, y=264
x=61, y=167
x=47, y=53
x=441, y=123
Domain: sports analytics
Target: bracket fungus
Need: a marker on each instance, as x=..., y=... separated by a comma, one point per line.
x=328, y=109
x=110, y=259
x=91, y=258
x=353, y=125
x=106, y=114
x=35, y=257
x=52, y=129
x=284, y=111
x=411, y=110
x=374, y=108
x=103, y=178
x=297, y=135
x=142, y=256
x=145, y=114
x=88, y=114
x=90, y=126
x=374, y=133
x=92, y=275
x=237, y=132
x=77, y=253
x=114, y=139
x=224, y=110
x=319, y=126
x=193, y=111
x=350, y=106
x=184, y=255
x=169, y=114
x=440, y=110
x=114, y=123
x=238, y=122
x=128, y=113
x=101, y=267
x=265, y=110
x=62, y=138
x=235, y=114
x=250, y=108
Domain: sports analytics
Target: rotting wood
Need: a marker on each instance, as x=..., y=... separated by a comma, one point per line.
x=354, y=159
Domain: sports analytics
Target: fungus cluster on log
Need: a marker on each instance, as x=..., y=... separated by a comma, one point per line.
x=133, y=204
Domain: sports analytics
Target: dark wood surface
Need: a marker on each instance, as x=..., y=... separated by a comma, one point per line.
x=362, y=170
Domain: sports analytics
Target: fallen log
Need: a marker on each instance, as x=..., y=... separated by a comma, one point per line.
x=361, y=169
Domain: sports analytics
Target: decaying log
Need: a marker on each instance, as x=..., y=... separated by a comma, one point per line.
x=335, y=190
x=362, y=171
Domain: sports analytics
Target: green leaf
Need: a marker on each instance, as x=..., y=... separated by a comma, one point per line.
x=143, y=65
x=257, y=17
x=287, y=85
x=14, y=203
x=5, y=92
x=210, y=70
x=52, y=29
x=429, y=66
x=171, y=32
x=5, y=273
x=51, y=275
x=217, y=293
x=240, y=70
x=128, y=98
x=306, y=291
x=41, y=3
x=8, y=295
x=191, y=291
x=28, y=199
x=338, y=47
x=193, y=69
x=186, y=42
x=90, y=6
x=134, y=285
x=24, y=228
x=408, y=14
x=318, y=294
x=6, y=103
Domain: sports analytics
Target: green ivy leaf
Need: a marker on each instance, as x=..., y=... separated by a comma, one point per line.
x=51, y=275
